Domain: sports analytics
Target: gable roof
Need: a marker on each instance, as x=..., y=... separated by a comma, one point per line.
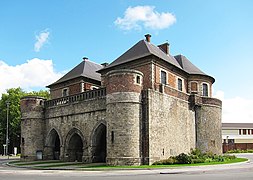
x=85, y=69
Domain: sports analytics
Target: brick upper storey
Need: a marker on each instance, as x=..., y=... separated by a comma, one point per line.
x=160, y=70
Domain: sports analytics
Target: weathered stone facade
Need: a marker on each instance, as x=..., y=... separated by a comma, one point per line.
x=145, y=109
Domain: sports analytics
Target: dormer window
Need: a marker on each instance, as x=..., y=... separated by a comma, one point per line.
x=205, y=89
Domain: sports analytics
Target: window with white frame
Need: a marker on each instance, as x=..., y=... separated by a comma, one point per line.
x=205, y=89
x=65, y=92
x=179, y=84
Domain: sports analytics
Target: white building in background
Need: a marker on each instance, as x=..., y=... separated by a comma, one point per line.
x=237, y=136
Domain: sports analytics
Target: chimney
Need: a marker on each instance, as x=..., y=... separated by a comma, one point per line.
x=85, y=58
x=105, y=64
x=165, y=47
x=148, y=36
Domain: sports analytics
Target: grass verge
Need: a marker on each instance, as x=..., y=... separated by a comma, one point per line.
x=78, y=165
x=236, y=160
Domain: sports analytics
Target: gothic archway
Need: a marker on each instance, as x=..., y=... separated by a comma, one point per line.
x=74, y=145
x=53, y=145
x=99, y=144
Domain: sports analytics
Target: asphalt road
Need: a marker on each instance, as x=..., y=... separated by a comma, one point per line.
x=242, y=171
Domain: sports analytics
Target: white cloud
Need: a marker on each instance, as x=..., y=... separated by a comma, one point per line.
x=35, y=73
x=136, y=17
x=236, y=110
x=41, y=39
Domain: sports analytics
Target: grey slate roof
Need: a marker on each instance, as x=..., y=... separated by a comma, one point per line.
x=144, y=48
x=187, y=66
x=85, y=69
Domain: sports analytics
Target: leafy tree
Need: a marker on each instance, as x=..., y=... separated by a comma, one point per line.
x=13, y=96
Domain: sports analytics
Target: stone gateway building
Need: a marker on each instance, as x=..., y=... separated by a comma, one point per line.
x=145, y=106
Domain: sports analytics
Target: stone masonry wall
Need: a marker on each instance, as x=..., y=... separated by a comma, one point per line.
x=171, y=126
x=32, y=127
x=208, y=128
x=83, y=116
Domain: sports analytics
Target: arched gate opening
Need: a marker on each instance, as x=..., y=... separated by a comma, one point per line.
x=99, y=144
x=75, y=148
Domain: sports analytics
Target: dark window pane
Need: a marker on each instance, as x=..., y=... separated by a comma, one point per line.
x=179, y=83
x=205, y=90
x=163, y=77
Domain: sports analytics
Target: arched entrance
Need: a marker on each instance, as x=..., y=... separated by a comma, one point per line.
x=75, y=148
x=99, y=144
x=54, y=145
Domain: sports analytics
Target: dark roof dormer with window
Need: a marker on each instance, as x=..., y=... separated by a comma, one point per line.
x=81, y=78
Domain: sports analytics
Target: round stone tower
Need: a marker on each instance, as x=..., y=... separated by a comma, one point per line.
x=123, y=114
x=208, y=125
x=32, y=127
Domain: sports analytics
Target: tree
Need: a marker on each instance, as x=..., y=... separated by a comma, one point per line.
x=13, y=95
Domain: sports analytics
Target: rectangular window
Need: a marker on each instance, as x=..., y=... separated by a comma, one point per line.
x=163, y=77
x=244, y=132
x=112, y=137
x=252, y=131
x=65, y=92
x=179, y=84
x=205, y=89
x=240, y=131
x=248, y=131
x=138, y=79
x=194, y=86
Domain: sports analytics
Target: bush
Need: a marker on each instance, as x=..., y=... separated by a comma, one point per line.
x=183, y=158
x=196, y=161
x=168, y=161
x=194, y=157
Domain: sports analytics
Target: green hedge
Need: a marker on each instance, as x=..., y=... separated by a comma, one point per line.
x=240, y=151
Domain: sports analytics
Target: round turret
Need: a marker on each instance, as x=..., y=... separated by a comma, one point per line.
x=32, y=125
x=123, y=108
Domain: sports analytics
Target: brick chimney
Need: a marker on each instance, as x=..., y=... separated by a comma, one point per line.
x=85, y=58
x=165, y=47
x=148, y=36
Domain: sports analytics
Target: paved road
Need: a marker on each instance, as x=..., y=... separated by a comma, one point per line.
x=243, y=171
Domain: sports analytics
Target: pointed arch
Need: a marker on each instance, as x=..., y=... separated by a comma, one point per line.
x=74, y=145
x=53, y=144
x=98, y=142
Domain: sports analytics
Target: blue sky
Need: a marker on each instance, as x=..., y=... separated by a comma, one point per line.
x=41, y=40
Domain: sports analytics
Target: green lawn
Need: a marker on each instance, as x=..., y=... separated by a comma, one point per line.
x=55, y=164
x=166, y=166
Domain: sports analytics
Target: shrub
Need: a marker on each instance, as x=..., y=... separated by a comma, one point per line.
x=195, y=161
x=168, y=161
x=195, y=156
x=183, y=158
